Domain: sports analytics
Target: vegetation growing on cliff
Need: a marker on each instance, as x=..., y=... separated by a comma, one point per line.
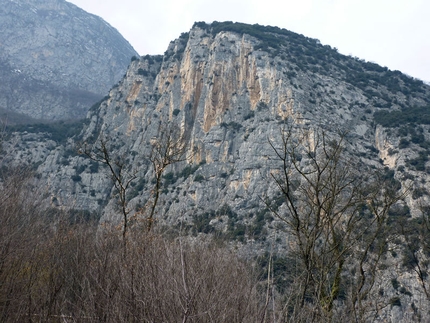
x=58, y=131
x=412, y=115
x=306, y=53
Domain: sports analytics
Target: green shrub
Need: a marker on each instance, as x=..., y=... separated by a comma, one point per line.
x=419, y=192
x=395, y=301
x=395, y=283
x=404, y=143
x=249, y=115
x=188, y=170
x=231, y=125
x=94, y=167
x=199, y=178
x=80, y=169
x=419, y=162
x=76, y=178
x=169, y=179
x=141, y=71
x=201, y=223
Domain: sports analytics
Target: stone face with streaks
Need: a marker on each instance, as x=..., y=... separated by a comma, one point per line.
x=228, y=98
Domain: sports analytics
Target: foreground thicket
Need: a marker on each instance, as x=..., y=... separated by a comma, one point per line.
x=57, y=269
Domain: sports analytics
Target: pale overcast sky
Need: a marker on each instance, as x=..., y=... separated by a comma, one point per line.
x=392, y=33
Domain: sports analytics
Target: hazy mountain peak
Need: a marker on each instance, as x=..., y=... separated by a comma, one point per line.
x=57, y=48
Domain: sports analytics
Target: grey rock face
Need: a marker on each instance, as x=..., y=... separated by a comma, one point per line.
x=55, y=51
x=228, y=98
x=229, y=93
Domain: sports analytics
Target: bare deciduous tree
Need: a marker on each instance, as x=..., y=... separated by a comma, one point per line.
x=122, y=175
x=336, y=211
x=167, y=149
x=415, y=245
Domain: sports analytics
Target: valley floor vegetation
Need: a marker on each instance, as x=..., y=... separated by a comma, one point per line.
x=57, y=268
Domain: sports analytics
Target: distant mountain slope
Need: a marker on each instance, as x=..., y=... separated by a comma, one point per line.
x=56, y=59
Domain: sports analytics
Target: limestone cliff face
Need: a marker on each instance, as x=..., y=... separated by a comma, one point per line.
x=228, y=97
x=52, y=49
x=227, y=100
x=228, y=93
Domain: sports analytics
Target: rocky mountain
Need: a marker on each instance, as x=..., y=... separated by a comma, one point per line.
x=198, y=133
x=229, y=91
x=56, y=60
